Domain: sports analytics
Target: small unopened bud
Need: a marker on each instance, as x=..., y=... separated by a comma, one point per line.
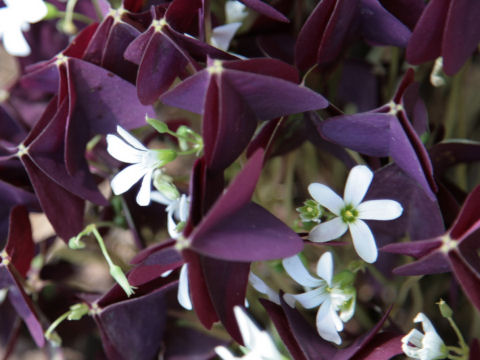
x=310, y=211
x=77, y=311
x=75, y=243
x=117, y=273
x=164, y=184
x=445, y=310
x=158, y=125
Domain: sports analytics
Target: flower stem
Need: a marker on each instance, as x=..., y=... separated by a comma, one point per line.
x=49, y=333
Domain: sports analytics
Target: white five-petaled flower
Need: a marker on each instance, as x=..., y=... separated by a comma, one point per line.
x=427, y=346
x=351, y=212
x=258, y=344
x=325, y=292
x=17, y=17
x=144, y=162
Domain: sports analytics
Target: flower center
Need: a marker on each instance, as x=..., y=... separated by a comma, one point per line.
x=4, y=258
x=216, y=67
x=349, y=214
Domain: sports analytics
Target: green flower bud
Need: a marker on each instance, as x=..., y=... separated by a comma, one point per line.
x=445, y=310
x=164, y=184
x=77, y=311
x=75, y=243
x=158, y=125
x=311, y=211
x=117, y=273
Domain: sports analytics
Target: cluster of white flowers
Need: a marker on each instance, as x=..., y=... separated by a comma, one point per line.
x=15, y=18
x=336, y=301
x=145, y=163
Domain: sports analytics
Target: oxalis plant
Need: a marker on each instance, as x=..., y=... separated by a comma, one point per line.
x=220, y=179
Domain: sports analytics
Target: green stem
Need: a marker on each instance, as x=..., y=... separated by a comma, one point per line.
x=187, y=152
x=68, y=26
x=76, y=16
x=101, y=243
x=463, y=345
x=54, y=325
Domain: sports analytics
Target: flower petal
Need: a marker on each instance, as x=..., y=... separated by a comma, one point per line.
x=358, y=182
x=126, y=178
x=326, y=197
x=325, y=268
x=259, y=285
x=363, y=241
x=295, y=268
x=143, y=196
x=122, y=151
x=183, y=294
x=250, y=332
x=130, y=139
x=326, y=324
x=158, y=197
x=379, y=210
x=172, y=226
x=15, y=43
x=223, y=35
x=183, y=208
x=309, y=300
x=224, y=353
x=34, y=11
x=328, y=230
x=414, y=337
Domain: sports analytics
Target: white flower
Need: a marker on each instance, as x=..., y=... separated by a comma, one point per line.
x=177, y=209
x=17, y=17
x=144, y=162
x=330, y=295
x=428, y=346
x=258, y=344
x=351, y=212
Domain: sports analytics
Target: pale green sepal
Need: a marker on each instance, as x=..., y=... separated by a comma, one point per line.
x=119, y=276
x=158, y=125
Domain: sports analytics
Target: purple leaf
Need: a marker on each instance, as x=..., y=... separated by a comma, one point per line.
x=199, y=293
x=200, y=345
x=62, y=208
x=437, y=34
x=226, y=282
x=20, y=247
x=265, y=9
x=467, y=276
x=380, y=27
x=325, y=33
x=279, y=319
x=127, y=328
x=249, y=234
